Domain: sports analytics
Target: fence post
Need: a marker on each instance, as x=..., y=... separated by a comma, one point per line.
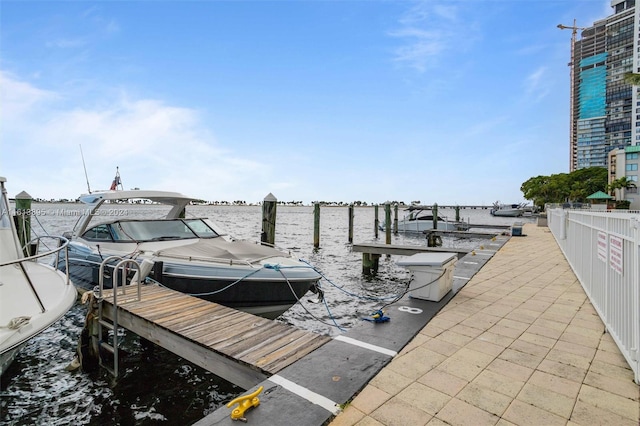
x=635, y=224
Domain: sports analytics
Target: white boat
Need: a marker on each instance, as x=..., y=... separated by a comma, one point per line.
x=33, y=295
x=190, y=255
x=507, y=210
x=419, y=219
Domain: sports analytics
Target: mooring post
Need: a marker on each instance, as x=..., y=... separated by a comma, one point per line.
x=370, y=262
x=457, y=213
x=268, y=236
x=23, y=221
x=387, y=223
x=376, y=222
x=316, y=225
x=351, y=223
x=435, y=215
x=395, y=219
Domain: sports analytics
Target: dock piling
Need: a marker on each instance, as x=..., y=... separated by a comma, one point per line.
x=395, y=219
x=435, y=215
x=387, y=223
x=23, y=221
x=376, y=222
x=316, y=225
x=350, y=223
x=268, y=236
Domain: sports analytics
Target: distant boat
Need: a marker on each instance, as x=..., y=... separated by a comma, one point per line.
x=190, y=255
x=507, y=210
x=419, y=219
x=33, y=295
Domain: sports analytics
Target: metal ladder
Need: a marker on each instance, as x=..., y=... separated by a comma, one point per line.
x=112, y=325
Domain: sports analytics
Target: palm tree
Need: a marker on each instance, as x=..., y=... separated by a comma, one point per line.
x=620, y=183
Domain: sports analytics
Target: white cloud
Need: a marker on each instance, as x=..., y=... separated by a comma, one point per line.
x=155, y=146
x=536, y=85
x=427, y=31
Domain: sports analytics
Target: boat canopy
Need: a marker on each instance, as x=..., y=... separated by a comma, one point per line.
x=94, y=200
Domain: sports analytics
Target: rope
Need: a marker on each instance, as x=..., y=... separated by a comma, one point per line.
x=210, y=292
x=335, y=323
x=17, y=322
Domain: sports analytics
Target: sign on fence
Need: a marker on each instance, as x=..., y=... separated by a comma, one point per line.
x=602, y=246
x=615, y=253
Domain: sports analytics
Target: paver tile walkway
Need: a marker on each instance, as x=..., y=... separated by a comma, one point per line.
x=520, y=344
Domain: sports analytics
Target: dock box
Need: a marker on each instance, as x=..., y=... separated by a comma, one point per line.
x=516, y=229
x=432, y=274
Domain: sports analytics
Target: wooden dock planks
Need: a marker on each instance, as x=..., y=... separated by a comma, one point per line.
x=205, y=333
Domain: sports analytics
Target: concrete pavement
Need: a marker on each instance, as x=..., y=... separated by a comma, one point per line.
x=520, y=344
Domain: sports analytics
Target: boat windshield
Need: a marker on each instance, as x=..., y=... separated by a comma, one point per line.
x=150, y=230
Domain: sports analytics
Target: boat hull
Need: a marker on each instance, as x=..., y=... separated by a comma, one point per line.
x=420, y=226
x=507, y=213
x=56, y=296
x=262, y=290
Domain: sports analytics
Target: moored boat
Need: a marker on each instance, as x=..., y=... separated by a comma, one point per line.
x=507, y=210
x=33, y=295
x=190, y=255
x=419, y=219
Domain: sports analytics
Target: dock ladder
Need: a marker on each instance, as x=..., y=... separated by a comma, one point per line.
x=112, y=325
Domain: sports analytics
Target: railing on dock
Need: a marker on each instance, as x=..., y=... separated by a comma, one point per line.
x=118, y=269
x=603, y=249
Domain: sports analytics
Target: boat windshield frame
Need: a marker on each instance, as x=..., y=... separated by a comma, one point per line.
x=150, y=230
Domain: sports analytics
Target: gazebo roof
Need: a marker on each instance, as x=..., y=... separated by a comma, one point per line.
x=599, y=196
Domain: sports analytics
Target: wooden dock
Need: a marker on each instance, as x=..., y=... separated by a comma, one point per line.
x=373, y=248
x=242, y=348
x=371, y=253
x=461, y=234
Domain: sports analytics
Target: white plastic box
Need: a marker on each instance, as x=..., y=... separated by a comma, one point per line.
x=432, y=274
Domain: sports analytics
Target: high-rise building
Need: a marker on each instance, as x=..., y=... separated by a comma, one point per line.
x=602, y=103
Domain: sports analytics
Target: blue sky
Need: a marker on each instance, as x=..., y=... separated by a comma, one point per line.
x=454, y=102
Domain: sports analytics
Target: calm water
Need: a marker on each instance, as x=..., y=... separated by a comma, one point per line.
x=161, y=388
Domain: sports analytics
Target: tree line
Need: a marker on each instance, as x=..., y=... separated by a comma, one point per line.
x=565, y=187
x=573, y=187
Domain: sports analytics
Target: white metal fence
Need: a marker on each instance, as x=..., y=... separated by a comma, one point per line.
x=603, y=248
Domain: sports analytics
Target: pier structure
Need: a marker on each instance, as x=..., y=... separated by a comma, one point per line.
x=520, y=344
x=240, y=347
x=517, y=340
x=315, y=388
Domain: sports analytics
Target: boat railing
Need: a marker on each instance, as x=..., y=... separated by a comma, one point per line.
x=63, y=244
x=228, y=261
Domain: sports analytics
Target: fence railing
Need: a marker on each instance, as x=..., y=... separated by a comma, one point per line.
x=603, y=249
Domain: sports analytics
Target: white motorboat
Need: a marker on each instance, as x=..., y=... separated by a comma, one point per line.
x=507, y=210
x=33, y=295
x=190, y=255
x=419, y=219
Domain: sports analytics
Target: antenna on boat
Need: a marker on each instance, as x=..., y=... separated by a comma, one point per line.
x=85, y=170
